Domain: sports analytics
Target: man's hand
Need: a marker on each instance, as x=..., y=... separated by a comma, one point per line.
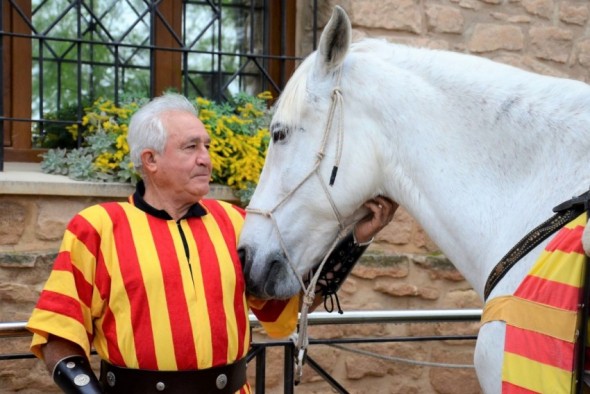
x=382, y=210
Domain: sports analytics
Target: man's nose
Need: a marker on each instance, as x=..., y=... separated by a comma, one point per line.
x=203, y=158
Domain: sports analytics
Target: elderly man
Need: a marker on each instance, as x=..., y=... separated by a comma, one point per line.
x=155, y=284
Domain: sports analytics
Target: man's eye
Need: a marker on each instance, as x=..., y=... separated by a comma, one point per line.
x=207, y=146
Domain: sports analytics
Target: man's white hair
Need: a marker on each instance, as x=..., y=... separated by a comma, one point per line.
x=146, y=130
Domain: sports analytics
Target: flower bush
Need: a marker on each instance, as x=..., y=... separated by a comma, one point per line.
x=239, y=140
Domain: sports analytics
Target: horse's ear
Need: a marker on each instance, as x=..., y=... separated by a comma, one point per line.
x=334, y=41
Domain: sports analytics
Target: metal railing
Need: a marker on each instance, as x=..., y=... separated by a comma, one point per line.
x=258, y=350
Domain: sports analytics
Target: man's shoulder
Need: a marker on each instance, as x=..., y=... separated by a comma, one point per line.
x=212, y=205
x=102, y=209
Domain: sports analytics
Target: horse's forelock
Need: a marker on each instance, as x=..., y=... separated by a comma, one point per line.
x=291, y=102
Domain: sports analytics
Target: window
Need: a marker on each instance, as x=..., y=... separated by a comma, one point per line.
x=60, y=55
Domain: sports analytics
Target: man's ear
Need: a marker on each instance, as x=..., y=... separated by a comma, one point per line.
x=148, y=160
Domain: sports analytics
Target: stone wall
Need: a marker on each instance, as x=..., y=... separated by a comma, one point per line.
x=546, y=36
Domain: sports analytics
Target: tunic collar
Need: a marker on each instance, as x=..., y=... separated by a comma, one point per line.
x=196, y=210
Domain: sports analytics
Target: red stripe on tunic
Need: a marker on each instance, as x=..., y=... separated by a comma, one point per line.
x=85, y=233
x=67, y=306
x=109, y=326
x=135, y=288
x=227, y=229
x=544, y=291
x=63, y=262
x=567, y=240
x=240, y=295
x=102, y=279
x=182, y=334
x=539, y=347
x=213, y=292
x=508, y=388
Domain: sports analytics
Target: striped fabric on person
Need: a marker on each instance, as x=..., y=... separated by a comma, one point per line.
x=144, y=304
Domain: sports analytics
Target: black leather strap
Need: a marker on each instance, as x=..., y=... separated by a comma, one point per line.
x=226, y=379
x=336, y=269
x=74, y=375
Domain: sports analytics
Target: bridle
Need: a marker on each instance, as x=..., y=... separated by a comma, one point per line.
x=336, y=105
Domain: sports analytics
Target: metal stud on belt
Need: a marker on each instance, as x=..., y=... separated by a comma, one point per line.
x=221, y=381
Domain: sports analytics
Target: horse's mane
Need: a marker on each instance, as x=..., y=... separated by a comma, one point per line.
x=467, y=75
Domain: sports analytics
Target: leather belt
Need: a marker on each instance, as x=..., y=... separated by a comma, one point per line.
x=226, y=379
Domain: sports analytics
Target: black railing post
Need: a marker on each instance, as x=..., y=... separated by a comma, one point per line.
x=289, y=381
x=260, y=370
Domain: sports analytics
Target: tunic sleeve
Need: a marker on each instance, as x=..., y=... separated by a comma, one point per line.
x=277, y=317
x=65, y=306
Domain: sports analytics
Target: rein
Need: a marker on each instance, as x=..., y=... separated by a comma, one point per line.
x=301, y=339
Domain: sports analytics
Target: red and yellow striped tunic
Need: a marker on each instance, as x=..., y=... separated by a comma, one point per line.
x=543, y=317
x=152, y=293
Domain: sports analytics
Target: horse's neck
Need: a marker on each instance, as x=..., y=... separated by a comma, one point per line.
x=493, y=163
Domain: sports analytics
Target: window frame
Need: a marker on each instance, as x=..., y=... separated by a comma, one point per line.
x=16, y=39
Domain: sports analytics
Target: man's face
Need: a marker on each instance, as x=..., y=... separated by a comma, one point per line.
x=184, y=167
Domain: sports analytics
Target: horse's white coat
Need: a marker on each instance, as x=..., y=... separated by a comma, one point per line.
x=478, y=152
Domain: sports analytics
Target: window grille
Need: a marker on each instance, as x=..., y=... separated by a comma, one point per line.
x=80, y=50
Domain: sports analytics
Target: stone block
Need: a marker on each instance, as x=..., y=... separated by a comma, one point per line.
x=12, y=222
x=583, y=51
x=53, y=217
x=444, y=19
x=551, y=43
x=18, y=260
x=402, y=15
x=373, y=265
x=461, y=299
x=541, y=8
x=444, y=380
x=15, y=292
x=438, y=267
x=488, y=37
x=359, y=366
x=573, y=13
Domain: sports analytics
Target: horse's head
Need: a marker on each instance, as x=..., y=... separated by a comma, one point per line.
x=297, y=210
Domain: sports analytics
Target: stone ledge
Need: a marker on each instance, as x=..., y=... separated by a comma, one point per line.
x=28, y=179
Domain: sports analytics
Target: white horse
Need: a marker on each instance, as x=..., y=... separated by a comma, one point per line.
x=478, y=152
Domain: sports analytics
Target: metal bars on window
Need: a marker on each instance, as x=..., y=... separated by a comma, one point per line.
x=85, y=49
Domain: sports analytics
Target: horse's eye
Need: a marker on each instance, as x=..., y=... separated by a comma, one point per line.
x=279, y=134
